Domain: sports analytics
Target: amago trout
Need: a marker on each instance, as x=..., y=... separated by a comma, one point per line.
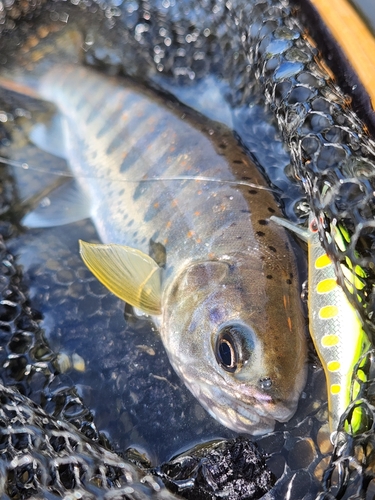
x=187, y=240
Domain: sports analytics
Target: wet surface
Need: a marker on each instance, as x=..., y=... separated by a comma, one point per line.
x=118, y=367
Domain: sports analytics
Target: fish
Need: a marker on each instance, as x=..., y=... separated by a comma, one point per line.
x=335, y=325
x=183, y=216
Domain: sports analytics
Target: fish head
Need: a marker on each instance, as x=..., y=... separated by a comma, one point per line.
x=235, y=352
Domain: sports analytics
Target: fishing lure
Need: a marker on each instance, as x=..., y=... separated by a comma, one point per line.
x=335, y=326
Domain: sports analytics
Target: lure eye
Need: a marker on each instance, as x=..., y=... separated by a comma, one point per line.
x=233, y=347
x=314, y=226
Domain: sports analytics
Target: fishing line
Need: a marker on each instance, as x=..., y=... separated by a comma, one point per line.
x=25, y=166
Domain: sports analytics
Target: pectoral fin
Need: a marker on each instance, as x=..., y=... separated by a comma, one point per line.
x=51, y=137
x=128, y=273
x=63, y=205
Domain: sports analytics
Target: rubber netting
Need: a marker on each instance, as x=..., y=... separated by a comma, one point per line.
x=332, y=152
x=47, y=453
x=265, y=46
x=54, y=449
x=333, y=156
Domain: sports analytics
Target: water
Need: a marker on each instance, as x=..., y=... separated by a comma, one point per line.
x=128, y=382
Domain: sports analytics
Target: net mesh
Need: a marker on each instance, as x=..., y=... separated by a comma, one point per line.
x=54, y=449
x=263, y=47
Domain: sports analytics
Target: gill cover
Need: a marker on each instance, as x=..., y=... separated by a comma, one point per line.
x=224, y=343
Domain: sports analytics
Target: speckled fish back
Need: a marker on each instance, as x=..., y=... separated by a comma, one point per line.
x=167, y=181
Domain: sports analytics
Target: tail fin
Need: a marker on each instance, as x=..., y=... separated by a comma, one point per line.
x=27, y=63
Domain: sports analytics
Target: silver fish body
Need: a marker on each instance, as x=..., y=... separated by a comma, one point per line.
x=230, y=316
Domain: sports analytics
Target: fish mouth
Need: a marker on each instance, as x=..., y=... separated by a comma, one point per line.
x=244, y=409
x=281, y=410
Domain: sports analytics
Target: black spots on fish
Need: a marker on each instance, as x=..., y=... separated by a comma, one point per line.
x=273, y=249
x=222, y=147
x=239, y=288
x=271, y=210
x=288, y=281
x=238, y=162
x=253, y=191
x=247, y=179
x=269, y=276
x=130, y=223
x=245, y=211
x=121, y=192
x=263, y=222
x=158, y=252
x=291, y=276
x=260, y=233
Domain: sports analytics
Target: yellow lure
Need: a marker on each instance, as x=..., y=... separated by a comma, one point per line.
x=335, y=326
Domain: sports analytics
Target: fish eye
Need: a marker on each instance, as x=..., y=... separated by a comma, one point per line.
x=233, y=347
